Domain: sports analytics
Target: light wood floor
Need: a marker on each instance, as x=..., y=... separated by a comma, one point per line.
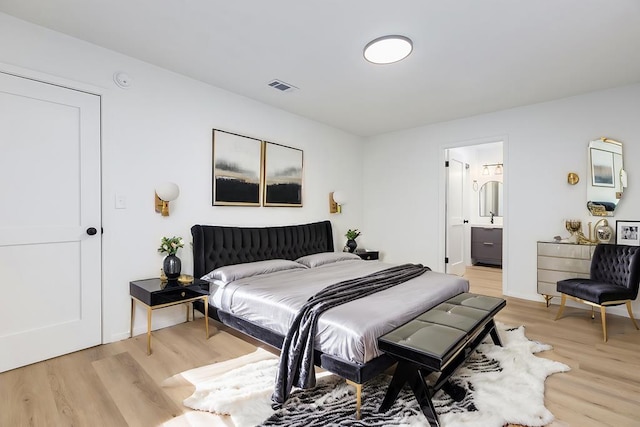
x=119, y=385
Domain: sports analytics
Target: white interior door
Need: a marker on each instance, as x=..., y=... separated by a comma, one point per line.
x=455, y=218
x=50, y=265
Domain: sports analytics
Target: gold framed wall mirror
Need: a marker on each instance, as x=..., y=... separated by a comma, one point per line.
x=607, y=177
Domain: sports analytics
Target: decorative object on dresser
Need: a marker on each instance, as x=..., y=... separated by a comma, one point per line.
x=573, y=226
x=600, y=233
x=155, y=293
x=486, y=245
x=171, y=265
x=627, y=233
x=558, y=261
x=614, y=278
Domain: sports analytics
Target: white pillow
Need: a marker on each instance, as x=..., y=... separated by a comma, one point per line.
x=316, y=260
x=229, y=273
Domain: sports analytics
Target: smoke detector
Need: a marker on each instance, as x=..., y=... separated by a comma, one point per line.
x=122, y=80
x=282, y=86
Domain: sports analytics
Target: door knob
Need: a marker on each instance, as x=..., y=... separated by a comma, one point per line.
x=91, y=231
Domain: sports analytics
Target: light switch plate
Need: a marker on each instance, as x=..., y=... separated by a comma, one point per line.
x=121, y=201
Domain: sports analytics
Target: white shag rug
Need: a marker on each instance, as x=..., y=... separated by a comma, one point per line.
x=504, y=385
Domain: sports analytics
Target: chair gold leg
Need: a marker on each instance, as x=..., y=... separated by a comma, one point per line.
x=631, y=315
x=561, y=309
x=358, y=397
x=603, y=314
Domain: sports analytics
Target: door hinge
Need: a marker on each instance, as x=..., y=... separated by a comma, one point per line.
x=446, y=163
x=446, y=260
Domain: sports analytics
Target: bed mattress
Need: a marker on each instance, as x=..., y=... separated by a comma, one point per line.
x=349, y=331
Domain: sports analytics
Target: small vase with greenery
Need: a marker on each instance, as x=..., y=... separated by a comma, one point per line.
x=351, y=236
x=171, y=264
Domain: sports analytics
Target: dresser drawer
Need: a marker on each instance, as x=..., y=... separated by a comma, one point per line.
x=563, y=250
x=560, y=261
x=551, y=276
x=574, y=265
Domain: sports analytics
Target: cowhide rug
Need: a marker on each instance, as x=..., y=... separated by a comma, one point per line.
x=504, y=385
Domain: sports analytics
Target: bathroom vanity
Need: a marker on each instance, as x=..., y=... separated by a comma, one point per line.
x=486, y=245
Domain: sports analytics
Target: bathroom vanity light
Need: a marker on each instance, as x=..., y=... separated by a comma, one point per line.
x=496, y=171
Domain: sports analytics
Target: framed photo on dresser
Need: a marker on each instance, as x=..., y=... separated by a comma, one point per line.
x=627, y=233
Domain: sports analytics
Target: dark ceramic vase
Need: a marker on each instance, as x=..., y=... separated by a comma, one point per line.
x=172, y=267
x=352, y=245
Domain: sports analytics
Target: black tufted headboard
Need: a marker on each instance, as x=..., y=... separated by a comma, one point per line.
x=215, y=246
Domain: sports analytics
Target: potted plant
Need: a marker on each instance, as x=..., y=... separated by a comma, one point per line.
x=171, y=264
x=351, y=236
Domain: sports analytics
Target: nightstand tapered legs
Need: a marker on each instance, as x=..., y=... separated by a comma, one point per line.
x=149, y=330
x=204, y=298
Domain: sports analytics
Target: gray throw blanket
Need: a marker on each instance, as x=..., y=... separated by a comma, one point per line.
x=296, y=358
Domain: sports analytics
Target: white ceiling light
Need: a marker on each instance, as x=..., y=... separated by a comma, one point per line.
x=388, y=49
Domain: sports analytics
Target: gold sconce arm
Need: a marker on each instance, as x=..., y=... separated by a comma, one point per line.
x=165, y=193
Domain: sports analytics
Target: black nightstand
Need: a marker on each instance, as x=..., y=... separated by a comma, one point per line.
x=368, y=255
x=154, y=293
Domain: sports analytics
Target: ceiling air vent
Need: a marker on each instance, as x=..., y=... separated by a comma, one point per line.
x=282, y=86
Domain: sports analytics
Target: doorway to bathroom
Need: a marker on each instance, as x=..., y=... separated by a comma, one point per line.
x=474, y=206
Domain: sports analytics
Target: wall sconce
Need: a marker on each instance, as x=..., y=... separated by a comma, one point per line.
x=336, y=200
x=573, y=178
x=496, y=171
x=165, y=193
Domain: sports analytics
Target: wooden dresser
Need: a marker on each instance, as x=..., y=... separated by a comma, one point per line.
x=559, y=261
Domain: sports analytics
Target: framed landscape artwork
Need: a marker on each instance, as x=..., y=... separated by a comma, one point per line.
x=283, y=175
x=237, y=169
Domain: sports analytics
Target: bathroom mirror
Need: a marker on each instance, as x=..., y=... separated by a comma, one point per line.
x=491, y=199
x=607, y=177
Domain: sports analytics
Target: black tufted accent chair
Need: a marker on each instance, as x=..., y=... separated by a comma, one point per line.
x=614, y=279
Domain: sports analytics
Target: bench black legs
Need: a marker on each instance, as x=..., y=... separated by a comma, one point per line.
x=408, y=372
x=414, y=374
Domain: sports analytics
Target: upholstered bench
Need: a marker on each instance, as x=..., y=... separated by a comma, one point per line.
x=439, y=340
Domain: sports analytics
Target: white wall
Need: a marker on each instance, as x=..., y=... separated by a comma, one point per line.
x=160, y=130
x=542, y=143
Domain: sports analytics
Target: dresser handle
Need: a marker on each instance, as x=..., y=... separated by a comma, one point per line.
x=183, y=294
x=488, y=243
